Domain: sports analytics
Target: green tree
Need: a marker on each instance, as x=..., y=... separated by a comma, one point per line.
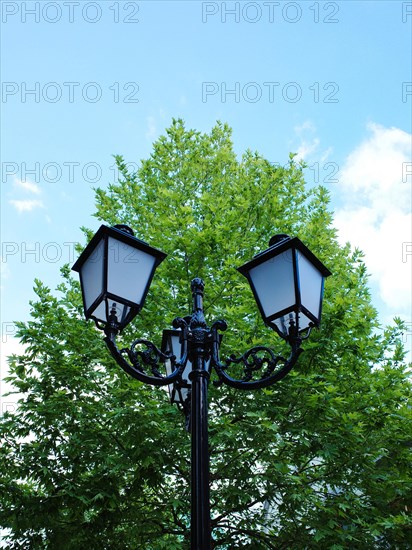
x=93, y=458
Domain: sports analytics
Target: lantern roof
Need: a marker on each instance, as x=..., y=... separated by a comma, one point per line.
x=277, y=245
x=122, y=233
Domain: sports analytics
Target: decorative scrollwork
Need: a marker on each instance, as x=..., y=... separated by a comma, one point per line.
x=259, y=359
x=261, y=366
x=150, y=357
x=220, y=324
x=181, y=322
x=256, y=359
x=275, y=370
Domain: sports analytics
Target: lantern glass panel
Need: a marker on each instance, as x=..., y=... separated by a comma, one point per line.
x=184, y=393
x=310, y=282
x=273, y=281
x=175, y=345
x=121, y=310
x=92, y=275
x=172, y=346
x=186, y=372
x=178, y=392
x=283, y=322
x=129, y=271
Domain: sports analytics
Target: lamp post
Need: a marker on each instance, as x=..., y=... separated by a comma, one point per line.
x=116, y=270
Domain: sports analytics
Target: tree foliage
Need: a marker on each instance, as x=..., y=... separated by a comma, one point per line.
x=94, y=459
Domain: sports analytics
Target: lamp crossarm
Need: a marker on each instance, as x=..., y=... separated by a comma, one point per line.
x=259, y=360
x=138, y=362
x=262, y=367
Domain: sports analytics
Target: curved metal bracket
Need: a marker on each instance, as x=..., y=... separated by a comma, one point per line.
x=151, y=357
x=257, y=359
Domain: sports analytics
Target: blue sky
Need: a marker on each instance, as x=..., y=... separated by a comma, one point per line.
x=329, y=80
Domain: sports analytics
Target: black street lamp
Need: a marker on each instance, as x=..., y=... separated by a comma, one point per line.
x=116, y=270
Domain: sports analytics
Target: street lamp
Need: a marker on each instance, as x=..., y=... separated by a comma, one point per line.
x=116, y=270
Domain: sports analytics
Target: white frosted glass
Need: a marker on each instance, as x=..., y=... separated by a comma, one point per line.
x=170, y=388
x=129, y=270
x=283, y=322
x=172, y=346
x=168, y=365
x=176, y=347
x=100, y=311
x=187, y=371
x=274, y=283
x=184, y=392
x=304, y=321
x=92, y=275
x=173, y=392
x=177, y=351
x=310, y=285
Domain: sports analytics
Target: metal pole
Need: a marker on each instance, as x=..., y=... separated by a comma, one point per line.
x=200, y=509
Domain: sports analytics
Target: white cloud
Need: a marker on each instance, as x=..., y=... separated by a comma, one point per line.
x=301, y=128
x=375, y=170
x=381, y=238
x=308, y=143
x=306, y=148
x=26, y=205
x=377, y=212
x=27, y=186
x=325, y=155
